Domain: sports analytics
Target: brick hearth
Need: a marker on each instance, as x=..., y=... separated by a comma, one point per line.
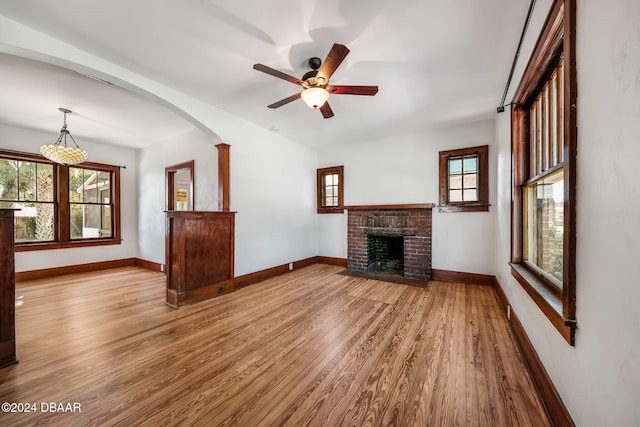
x=412, y=222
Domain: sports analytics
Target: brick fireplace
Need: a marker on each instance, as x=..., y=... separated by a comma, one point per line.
x=390, y=238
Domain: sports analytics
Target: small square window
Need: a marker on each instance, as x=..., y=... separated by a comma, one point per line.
x=464, y=180
x=330, y=190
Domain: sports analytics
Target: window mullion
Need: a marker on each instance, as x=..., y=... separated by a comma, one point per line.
x=64, y=208
x=543, y=130
x=560, y=110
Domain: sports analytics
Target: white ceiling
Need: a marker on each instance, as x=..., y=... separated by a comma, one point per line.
x=436, y=62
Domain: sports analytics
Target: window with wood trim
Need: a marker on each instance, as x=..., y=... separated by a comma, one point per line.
x=60, y=206
x=330, y=185
x=544, y=140
x=464, y=180
x=90, y=203
x=29, y=186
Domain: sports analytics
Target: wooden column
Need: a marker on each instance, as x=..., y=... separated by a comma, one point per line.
x=7, y=290
x=223, y=177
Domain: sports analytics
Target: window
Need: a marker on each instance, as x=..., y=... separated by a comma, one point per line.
x=28, y=185
x=90, y=203
x=464, y=180
x=330, y=190
x=60, y=206
x=544, y=180
x=544, y=227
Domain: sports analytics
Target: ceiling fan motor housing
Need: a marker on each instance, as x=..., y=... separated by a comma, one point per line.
x=314, y=63
x=310, y=75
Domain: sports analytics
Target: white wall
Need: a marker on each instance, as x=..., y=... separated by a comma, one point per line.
x=599, y=378
x=27, y=141
x=273, y=186
x=272, y=191
x=152, y=161
x=404, y=169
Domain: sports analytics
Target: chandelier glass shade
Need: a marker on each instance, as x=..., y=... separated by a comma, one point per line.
x=315, y=97
x=62, y=153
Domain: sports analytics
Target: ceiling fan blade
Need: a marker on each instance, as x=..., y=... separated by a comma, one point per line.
x=326, y=111
x=353, y=90
x=335, y=57
x=276, y=73
x=285, y=101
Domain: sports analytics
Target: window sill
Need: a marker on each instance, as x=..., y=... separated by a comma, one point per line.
x=546, y=299
x=331, y=210
x=44, y=246
x=464, y=208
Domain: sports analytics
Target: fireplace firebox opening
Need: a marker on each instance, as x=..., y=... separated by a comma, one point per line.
x=385, y=254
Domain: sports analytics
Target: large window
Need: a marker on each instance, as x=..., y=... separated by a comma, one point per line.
x=544, y=179
x=90, y=203
x=330, y=190
x=464, y=180
x=29, y=186
x=60, y=206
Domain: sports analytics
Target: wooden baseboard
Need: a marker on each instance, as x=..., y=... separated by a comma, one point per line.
x=259, y=276
x=305, y=262
x=71, y=269
x=551, y=399
x=86, y=268
x=340, y=262
x=149, y=265
x=8, y=353
x=457, y=276
x=177, y=300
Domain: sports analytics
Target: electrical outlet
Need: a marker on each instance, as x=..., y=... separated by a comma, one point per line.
x=162, y=268
x=290, y=266
x=508, y=312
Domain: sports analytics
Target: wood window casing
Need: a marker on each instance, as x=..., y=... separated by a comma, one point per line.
x=338, y=205
x=62, y=205
x=481, y=202
x=535, y=156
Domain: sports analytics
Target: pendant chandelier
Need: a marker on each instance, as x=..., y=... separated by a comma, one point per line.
x=59, y=151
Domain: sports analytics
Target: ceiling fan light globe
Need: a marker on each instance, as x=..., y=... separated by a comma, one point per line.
x=315, y=97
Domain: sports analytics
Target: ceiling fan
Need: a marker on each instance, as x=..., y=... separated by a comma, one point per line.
x=316, y=82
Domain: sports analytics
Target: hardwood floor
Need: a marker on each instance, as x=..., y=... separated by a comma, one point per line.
x=312, y=347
